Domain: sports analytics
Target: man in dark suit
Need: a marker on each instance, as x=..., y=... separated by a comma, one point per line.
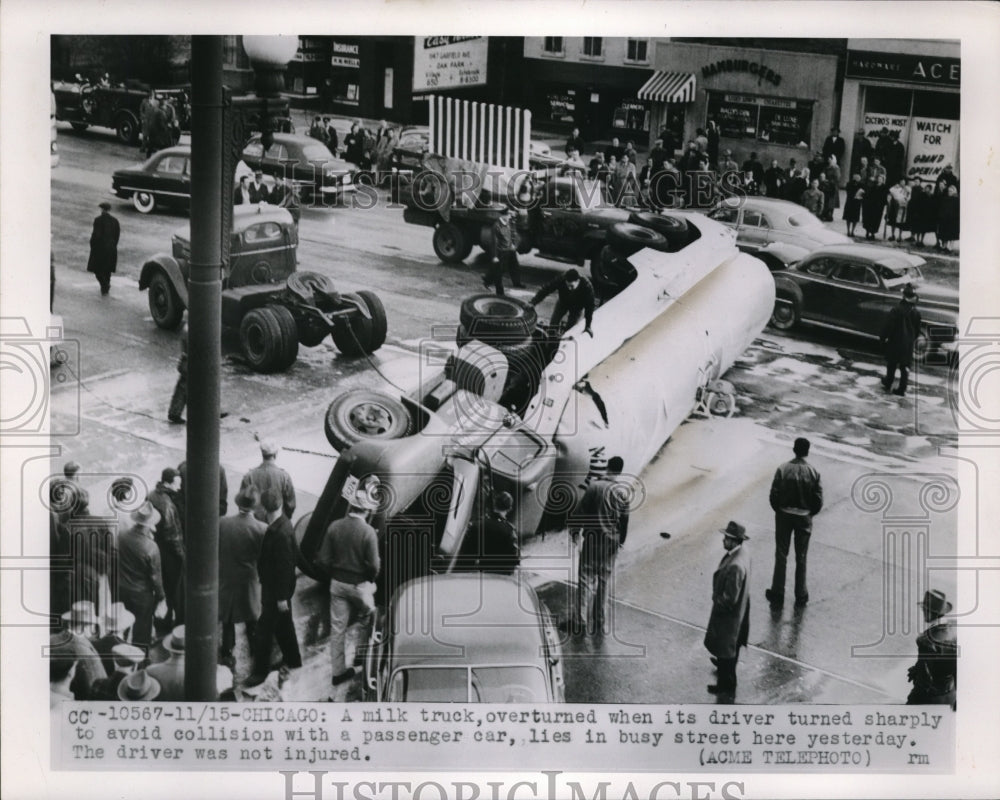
x=574, y=142
x=276, y=569
x=240, y=538
x=898, y=336
x=140, y=577
x=729, y=624
x=834, y=145
x=934, y=675
x=258, y=189
x=104, y=247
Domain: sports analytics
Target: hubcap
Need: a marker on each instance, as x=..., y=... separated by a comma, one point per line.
x=371, y=419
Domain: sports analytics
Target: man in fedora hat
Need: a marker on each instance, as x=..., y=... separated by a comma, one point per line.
x=729, y=624
x=935, y=673
x=240, y=537
x=796, y=497
x=117, y=624
x=89, y=669
x=104, y=247
x=140, y=576
x=169, y=674
x=81, y=619
x=138, y=686
x=169, y=537
x=898, y=336
x=125, y=660
x=349, y=556
x=268, y=475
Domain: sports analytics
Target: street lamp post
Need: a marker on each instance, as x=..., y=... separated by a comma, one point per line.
x=217, y=136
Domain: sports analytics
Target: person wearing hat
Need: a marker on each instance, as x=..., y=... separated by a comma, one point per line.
x=268, y=475
x=276, y=570
x=240, y=538
x=89, y=668
x=116, y=628
x=902, y=327
x=63, y=664
x=175, y=411
x=81, y=619
x=501, y=551
x=104, y=247
x=505, y=241
x=169, y=674
x=179, y=497
x=350, y=559
x=125, y=660
x=575, y=297
x=935, y=673
x=138, y=686
x=169, y=537
x=258, y=189
x=140, y=575
x=729, y=624
x=796, y=497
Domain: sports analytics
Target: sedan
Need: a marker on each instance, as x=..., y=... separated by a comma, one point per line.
x=464, y=638
x=410, y=148
x=854, y=287
x=307, y=162
x=763, y=225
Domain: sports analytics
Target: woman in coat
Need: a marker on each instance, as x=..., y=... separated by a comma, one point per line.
x=831, y=188
x=948, y=218
x=873, y=206
x=918, y=214
x=899, y=200
x=854, y=193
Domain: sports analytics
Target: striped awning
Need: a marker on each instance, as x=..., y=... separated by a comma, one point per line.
x=669, y=87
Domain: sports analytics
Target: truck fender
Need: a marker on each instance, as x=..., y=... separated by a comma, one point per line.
x=169, y=266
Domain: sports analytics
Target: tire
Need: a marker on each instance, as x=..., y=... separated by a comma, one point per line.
x=262, y=340
x=79, y=127
x=674, y=229
x=311, y=332
x=144, y=202
x=379, y=322
x=357, y=336
x=629, y=238
x=289, y=335
x=489, y=318
x=610, y=273
x=451, y=244
x=164, y=304
x=127, y=128
x=363, y=415
x=720, y=404
x=787, y=313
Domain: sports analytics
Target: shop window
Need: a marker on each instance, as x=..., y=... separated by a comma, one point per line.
x=777, y=120
x=593, y=46
x=553, y=45
x=937, y=105
x=637, y=50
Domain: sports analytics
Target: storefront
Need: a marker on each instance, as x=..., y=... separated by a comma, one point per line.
x=911, y=87
x=778, y=104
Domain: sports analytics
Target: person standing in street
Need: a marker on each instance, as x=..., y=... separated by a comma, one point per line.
x=898, y=337
x=140, y=577
x=175, y=413
x=349, y=555
x=934, y=675
x=104, y=247
x=873, y=205
x=796, y=497
x=574, y=142
x=729, y=624
x=276, y=570
x=601, y=522
x=505, y=240
x=169, y=537
x=240, y=539
x=575, y=297
x=268, y=475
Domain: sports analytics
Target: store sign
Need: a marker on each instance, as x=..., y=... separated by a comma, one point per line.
x=874, y=122
x=933, y=143
x=562, y=106
x=741, y=65
x=345, y=55
x=778, y=120
x=932, y=70
x=448, y=62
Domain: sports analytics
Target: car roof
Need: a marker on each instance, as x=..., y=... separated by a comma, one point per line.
x=177, y=149
x=786, y=206
x=884, y=256
x=476, y=618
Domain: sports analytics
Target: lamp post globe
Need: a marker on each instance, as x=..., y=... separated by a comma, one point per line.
x=269, y=55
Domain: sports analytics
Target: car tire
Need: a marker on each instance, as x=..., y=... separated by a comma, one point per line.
x=451, y=244
x=289, y=335
x=127, y=128
x=144, y=202
x=674, y=229
x=490, y=318
x=628, y=238
x=787, y=313
x=357, y=336
x=165, y=305
x=364, y=415
x=262, y=340
x=610, y=272
x=79, y=127
x=379, y=322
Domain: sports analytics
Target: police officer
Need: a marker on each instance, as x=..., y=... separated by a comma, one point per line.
x=505, y=239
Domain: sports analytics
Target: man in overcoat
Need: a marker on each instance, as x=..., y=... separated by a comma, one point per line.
x=934, y=675
x=140, y=577
x=729, y=623
x=104, y=247
x=240, y=538
x=898, y=336
x=268, y=475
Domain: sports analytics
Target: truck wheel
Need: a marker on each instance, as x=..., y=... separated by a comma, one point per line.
x=79, y=127
x=127, y=128
x=289, y=335
x=262, y=340
x=379, y=325
x=311, y=331
x=674, y=229
x=144, y=202
x=629, y=238
x=489, y=318
x=450, y=243
x=164, y=305
x=363, y=414
x=787, y=313
x=358, y=336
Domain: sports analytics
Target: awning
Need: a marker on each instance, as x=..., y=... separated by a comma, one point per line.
x=669, y=87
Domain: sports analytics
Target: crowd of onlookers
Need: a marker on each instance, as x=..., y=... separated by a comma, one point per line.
x=364, y=148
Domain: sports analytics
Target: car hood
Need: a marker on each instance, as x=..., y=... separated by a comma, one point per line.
x=825, y=236
x=133, y=170
x=936, y=293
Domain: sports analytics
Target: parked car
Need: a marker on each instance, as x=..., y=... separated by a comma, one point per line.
x=853, y=287
x=464, y=638
x=308, y=163
x=411, y=145
x=274, y=307
x=762, y=223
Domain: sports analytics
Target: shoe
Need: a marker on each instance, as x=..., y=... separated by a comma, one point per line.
x=714, y=688
x=486, y=284
x=899, y=393
x=228, y=660
x=801, y=601
x=176, y=420
x=344, y=676
x=254, y=680
x=886, y=385
x=773, y=599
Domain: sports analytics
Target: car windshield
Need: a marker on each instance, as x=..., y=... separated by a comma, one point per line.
x=316, y=152
x=495, y=684
x=803, y=219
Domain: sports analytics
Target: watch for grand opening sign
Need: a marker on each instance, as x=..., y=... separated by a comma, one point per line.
x=449, y=62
